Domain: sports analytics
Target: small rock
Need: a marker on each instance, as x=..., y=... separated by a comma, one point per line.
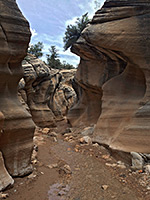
x=34, y=155
x=34, y=161
x=111, y=165
x=45, y=130
x=52, y=166
x=147, y=169
x=121, y=165
x=148, y=187
x=52, y=134
x=87, y=131
x=140, y=171
x=104, y=187
x=76, y=150
x=66, y=169
x=122, y=175
x=66, y=138
x=113, y=197
x=31, y=176
x=106, y=157
x=66, y=134
x=55, y=139
x=68, y=130
x=61, y=193
x=137, y=161
x=35, y=148
x=3, y=196
x=95, y=145
x=86, y=140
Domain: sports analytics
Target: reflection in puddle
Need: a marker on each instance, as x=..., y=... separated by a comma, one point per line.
x=58, y=191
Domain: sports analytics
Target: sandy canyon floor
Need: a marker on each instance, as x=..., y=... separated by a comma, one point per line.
x=65, y=169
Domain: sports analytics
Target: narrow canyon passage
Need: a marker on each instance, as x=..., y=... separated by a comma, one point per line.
x=78, y=130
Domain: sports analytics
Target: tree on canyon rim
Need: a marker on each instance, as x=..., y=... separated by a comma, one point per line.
x=73, y=32
x=97, y=4
x=36, y=49
x=54, y=61
x=53, y=58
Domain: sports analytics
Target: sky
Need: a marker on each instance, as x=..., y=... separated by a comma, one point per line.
x=48, y=21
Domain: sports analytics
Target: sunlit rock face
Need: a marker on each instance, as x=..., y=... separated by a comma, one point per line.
x=65, y=96
x=115, y=61
x=46, y=93
x=16, y=125
x=37, y=87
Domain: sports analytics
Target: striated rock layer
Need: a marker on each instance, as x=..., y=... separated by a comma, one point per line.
x=5, y=178
x=114, y=51
x=35, y=88
x=17, y=127
x=46, y=93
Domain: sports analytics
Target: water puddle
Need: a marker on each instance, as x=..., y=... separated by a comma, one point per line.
x=58, y=191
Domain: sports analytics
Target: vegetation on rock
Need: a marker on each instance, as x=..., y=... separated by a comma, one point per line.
x=36, y=49
x=73, y=32
x=54, y=61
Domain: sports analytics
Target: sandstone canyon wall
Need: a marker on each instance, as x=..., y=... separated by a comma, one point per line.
x=46, y=93
x=113, y=77
x=16, y=125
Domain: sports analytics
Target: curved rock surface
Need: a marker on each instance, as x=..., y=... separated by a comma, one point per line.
x=17, y=127
x=47, y=92
x=5, y=178
x=114, y=75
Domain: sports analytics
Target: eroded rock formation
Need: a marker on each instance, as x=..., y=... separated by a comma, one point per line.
x=47, y=92
x=5, y=178
x=16, y=125
x=113, y=75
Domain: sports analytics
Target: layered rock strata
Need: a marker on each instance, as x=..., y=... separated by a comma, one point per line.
x=5, y=179
x=114, y=51
x=47, y=93
x=17, y=127
x=35, y=88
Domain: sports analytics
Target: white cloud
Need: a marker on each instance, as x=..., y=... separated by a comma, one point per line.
x=57, y=39
x=69, y=57
x=89, y=7
x=74, y=60
x=33, y=32
x=92, y=7
x=71, y=21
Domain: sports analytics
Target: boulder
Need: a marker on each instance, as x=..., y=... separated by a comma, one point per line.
x=18, y=128
x=137, y=161
x=113, y=77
